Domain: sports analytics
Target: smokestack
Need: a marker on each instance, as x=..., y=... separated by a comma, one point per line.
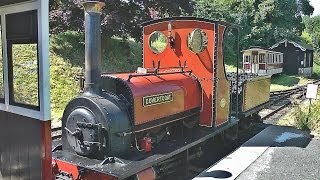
x=92, y=11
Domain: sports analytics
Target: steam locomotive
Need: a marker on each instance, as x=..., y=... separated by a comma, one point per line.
x=142, y=124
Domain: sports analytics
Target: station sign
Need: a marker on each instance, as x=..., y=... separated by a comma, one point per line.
x=312, y=91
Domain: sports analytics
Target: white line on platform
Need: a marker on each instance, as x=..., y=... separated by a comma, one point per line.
x=238, y=161
x=235, y=163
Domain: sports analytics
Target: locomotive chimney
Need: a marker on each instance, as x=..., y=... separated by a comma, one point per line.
x=92, y=11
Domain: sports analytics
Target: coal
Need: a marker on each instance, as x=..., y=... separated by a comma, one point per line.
x=237, y=88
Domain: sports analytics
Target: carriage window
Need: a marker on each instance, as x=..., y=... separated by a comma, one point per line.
x=157, y=42
x=273, y=58
x=247, y=59
x=262, y=58
x=22, y=40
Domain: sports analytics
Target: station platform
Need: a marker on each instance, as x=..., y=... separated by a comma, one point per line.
x=277, y=152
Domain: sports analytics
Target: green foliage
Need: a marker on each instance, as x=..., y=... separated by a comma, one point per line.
x=311, y=35
x=122, y=56
x=305, y=120
x=283, y=82
x=263, y=22
x=230, y=50
x=70, y=46
x=301, y=118
x=119, y=18
x=25, y=73
x=158, y=42
x=67, y=60
x=312, y=31
x=119, y=55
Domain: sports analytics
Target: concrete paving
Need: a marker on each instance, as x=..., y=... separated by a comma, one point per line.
x=277, y=152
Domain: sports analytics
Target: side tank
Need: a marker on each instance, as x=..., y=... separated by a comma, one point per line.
x=153, y=97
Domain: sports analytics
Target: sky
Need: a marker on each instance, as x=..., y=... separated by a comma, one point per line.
x=316, y=5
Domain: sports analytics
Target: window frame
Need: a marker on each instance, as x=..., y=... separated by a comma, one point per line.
x=43, y=112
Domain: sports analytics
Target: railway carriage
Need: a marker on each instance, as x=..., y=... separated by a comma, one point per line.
x=262, y=61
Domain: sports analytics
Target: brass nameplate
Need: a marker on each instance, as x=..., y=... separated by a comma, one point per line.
x=157, y=99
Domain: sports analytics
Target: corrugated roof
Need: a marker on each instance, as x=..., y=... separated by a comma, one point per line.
x=300, y=45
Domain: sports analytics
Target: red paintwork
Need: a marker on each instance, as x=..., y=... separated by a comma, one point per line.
x=147, y=174
x=262, y=66
x=247, y=66
x=46, y=150
x=275, y=66
x=146, y=144
x=201, y=64
x=150, y=85
x=72, y=169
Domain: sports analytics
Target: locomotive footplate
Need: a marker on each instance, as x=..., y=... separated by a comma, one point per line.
x=122, y=168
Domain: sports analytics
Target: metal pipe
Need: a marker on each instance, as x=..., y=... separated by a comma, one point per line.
x=92, y=11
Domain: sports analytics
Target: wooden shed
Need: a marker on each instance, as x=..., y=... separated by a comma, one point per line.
x=298, y=57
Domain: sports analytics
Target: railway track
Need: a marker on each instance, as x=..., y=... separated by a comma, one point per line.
x=275, y=97
x=218, y=150
x=56, y=133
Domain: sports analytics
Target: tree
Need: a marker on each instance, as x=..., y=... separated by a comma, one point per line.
x=311, y=35
x=120, y=17
x=263, y=22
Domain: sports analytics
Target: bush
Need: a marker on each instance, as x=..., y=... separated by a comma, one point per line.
x=307, y=121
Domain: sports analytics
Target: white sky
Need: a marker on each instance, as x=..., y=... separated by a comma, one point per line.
x=316, y=5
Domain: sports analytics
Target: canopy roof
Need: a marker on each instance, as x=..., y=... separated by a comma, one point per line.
x=7, y=2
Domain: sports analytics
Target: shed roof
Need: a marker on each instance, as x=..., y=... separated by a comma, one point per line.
x=300, y=45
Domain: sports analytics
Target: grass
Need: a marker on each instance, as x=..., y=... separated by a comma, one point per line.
x=284, y=82
x=67, y=60
x=300, y=117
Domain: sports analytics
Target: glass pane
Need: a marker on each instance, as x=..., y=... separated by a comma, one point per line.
x=22, y=40
x=25, y=73
x=157, y=42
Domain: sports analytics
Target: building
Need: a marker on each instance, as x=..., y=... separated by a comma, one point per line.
x=298, y=57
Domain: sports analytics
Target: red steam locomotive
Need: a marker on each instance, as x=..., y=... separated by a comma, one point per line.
x=141, y=124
